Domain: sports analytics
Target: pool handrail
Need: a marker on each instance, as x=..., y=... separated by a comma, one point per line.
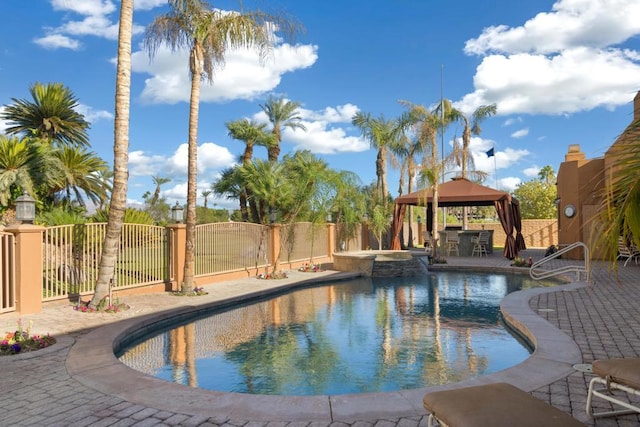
x=572, y=268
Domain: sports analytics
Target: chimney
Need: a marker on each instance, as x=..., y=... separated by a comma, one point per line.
x=574, y=152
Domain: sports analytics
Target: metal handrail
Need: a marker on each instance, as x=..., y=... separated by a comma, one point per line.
x=574, y=268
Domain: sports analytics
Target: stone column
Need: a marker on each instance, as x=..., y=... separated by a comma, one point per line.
x=178, y=241
x=28, y=259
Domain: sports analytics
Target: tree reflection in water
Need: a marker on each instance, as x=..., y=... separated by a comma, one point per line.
x=364, y=335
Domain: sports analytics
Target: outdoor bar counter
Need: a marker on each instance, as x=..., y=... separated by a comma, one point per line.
x=465, y=246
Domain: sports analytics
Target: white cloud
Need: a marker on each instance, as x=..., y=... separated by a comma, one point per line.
x=531, y=172
x=512, y=120
x=55, y=41
x=588, y=23
x=92, y=115
x=509, y=183
x=210, y=156
x=560, y=62
x=244, y=76
x=520, y=133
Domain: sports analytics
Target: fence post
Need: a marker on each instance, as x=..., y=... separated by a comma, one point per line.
x=274, y=250
x=28, y=267
x=331, y=240
x=178, y=241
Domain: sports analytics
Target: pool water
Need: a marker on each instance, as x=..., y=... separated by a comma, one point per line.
x=357, y=336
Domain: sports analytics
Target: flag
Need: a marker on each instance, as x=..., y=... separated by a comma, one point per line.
x=490, y=153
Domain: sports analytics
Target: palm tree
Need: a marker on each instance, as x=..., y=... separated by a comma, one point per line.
x=547, y=175
x=383, y=135
x=282, y=114
x=206, y=194
x=158, y=181
x=118, y=202
x=26, y=165
x=471, y=127
x=251, y=133
x=207, y=33
x=51, y=116
x=81, y=175
x=426, y=124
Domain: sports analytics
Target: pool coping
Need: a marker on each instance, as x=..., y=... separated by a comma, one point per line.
x=92, y=362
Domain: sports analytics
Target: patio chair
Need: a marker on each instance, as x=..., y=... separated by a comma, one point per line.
x=615, y=375
x=452, y=242
x=498, y=404
x=480, y=243
x=627, y=251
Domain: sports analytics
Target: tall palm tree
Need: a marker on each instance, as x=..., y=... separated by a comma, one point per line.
x=282, y=113
x=205, y=194
x=118, y=202
x=26, y=165
x=51, y=115
x=383, y=134
x=158, y=181
x=81, y=176
x=426, y=125
x=207, y=33
x=471, y=127
x=251, y=133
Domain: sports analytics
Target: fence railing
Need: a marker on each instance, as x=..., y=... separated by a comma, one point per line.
x=62, y=262
x=71, y=257
x=231, y=246
x=7, y=275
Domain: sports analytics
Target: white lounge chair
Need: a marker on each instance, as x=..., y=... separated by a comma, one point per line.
x=630, y=252
x=614, y=376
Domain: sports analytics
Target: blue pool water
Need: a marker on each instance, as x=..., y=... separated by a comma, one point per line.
x=363, y=335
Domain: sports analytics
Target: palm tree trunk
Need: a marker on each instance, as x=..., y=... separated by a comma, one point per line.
x=192, y=174
x=118, y=201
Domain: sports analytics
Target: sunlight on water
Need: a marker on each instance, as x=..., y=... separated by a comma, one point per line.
x=363, y=335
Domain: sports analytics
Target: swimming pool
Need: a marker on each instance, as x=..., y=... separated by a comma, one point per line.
x=358, y=336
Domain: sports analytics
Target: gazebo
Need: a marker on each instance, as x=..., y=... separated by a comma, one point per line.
x=462, y=192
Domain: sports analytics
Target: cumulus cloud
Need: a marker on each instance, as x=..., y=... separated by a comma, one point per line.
x=520, y=133
x=92, y=115
x=96, y=18
x=244, y=75
x=560, y=62
x=531, y=171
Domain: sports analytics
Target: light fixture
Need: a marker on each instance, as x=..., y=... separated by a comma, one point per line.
x=25, y=208
x=328, y=216
x=177, y=213
x=419, y=219
x=365, y=217
x=569, y=211
x=273, y=215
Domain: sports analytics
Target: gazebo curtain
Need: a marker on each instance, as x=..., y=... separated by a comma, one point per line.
x=517, y=222
x=398, y=219
x=506, y=216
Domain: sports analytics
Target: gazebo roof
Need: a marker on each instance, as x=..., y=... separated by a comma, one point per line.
x=457, y=192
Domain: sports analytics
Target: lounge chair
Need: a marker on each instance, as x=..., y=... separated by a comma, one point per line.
x=492, y=405
x=627, y=251
x=615, y=375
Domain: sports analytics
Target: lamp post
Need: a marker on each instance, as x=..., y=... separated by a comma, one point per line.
x=273, y=215
x=365, y=231
x=25, y=208
x=419, y=230
x=177, y=213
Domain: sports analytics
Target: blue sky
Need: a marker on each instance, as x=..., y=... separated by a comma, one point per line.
x=561, y=73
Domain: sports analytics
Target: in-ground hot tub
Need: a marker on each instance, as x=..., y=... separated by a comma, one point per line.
x=382, y=263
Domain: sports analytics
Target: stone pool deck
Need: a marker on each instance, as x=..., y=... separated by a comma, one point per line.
x=78, y=382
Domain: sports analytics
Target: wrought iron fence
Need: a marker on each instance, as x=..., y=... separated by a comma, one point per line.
x=71, y=257
x=231, y=246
